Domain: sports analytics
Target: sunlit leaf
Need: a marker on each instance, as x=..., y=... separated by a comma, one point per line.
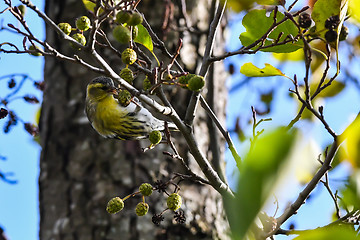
x=238, y=6
x=351, y=145
x=144, y=38
x=354, y=7
x=257, y=24
x=250, y=70
x=323, y=9
x=292, y=56
x=259, y=172
x=334, y=89
x=89, y=5
x=343, y=232
x=351, y=193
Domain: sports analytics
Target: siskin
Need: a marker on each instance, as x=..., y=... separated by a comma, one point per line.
x=111, y=120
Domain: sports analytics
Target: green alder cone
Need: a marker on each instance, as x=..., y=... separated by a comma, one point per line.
x=65, y=27
x=184, y=80
x=135, y=19
x=128, y=56
x=146, y=189
x=155, y=137
x=196, y=83
x=122, y=34
x=174, y=201
x=127, y=75
x=83, y=23
x=115, y=205
x=79, y=38
x=142, y=209
x=124, y=98
x=123, y=17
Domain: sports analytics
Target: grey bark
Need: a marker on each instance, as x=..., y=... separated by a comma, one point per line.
x=81, y=171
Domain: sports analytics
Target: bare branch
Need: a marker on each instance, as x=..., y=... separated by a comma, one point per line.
x=190, y=112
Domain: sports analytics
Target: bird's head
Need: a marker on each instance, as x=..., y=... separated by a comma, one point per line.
x=100, y=88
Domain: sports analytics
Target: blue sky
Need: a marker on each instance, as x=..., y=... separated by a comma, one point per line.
x=19, y=204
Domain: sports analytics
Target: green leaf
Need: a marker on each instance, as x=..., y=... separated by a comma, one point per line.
x=238, y=6
x=144, y=38
x=89, y=5
x=351, y=193
x=259, y=172
x=257, y=24
x=323, y=9
x=334, y=89
x=250, y=70
x=343, y=232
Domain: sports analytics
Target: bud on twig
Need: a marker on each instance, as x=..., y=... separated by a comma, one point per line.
x=31, y=99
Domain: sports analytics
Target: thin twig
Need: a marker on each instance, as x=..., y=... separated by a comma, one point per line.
x=190, y=112
x=223, y=131
x=333, y=196
x=294, y=207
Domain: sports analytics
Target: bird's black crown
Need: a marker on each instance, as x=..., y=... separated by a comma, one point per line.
x=103, y=80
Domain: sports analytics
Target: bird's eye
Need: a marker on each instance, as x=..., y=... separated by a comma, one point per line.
x=104, y=88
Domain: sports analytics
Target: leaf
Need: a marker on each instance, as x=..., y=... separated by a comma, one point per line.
x=331, y=91
x=323, y=9
x=250, y=70
x=144, y=38
x=351, y=147
x=89, y=5
x=343, y=232
x=297, y=55
x=257, y=24
x=238, y=6
x=351, y=193
x=334, y=89
x=259, y=171
x=354, y=7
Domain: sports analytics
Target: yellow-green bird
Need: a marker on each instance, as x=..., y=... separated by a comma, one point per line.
x=111, y=120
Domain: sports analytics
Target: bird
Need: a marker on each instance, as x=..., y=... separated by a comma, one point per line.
x=112, y=120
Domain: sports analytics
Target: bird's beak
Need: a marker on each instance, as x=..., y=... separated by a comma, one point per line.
x=113, y=90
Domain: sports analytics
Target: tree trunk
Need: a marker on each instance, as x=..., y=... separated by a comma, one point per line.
x=81, y=171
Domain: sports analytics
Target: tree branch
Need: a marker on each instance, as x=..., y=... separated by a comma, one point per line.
x=190, y=112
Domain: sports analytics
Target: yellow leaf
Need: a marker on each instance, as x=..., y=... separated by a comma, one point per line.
x=351, y=146
x=292, y=56
x=354, y=6
x=250, y=70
